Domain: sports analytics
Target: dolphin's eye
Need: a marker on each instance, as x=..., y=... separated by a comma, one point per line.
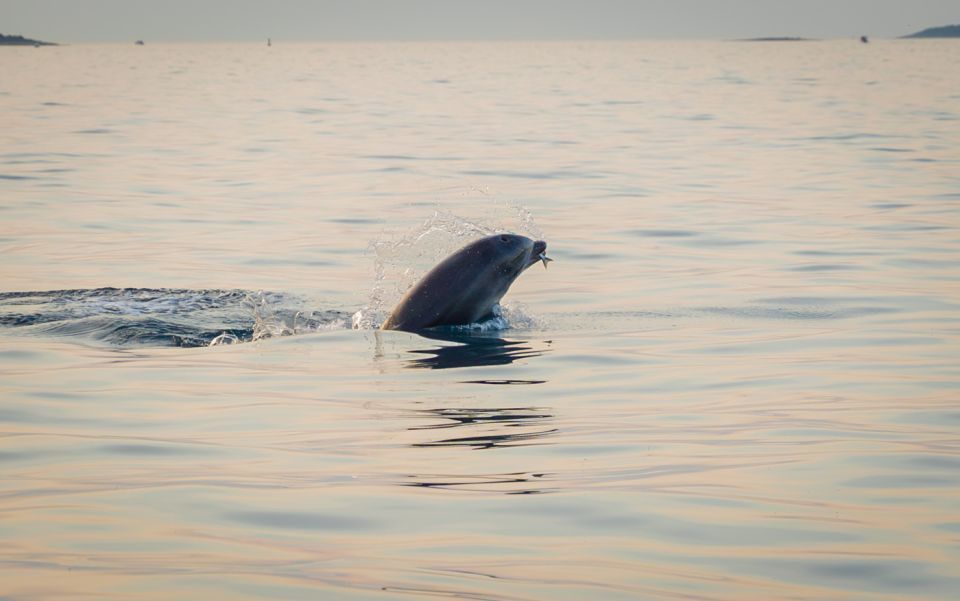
x=504, y=239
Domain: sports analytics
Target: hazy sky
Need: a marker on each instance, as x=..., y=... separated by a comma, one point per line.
x=216, y=20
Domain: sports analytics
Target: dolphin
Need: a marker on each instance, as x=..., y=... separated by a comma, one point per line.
x=467, y=286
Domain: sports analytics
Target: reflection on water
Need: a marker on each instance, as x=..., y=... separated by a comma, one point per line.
x=517, y=483
x=490, y=428
x=483, y=429
x=471, y=350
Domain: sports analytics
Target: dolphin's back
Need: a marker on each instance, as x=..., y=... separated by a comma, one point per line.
x=444, y=296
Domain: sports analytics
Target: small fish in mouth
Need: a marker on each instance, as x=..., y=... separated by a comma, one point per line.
x=545, y=259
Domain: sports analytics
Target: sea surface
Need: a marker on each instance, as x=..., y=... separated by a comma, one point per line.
x=739, y=379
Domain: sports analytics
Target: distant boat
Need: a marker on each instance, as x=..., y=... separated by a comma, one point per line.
x=139, y=42
x=864, y=39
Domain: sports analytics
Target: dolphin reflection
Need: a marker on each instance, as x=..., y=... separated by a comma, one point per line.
x=514, y=483
x=471, y=350
x=479, y=429
x=488, y=428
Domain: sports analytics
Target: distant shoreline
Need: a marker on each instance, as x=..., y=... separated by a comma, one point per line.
x=19, y=40
x=946, y=31
x=940, y=32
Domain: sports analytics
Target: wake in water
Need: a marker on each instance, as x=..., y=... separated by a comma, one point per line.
x=163, y=317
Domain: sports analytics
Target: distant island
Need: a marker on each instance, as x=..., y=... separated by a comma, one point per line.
x=19, y=40
x=947, y=31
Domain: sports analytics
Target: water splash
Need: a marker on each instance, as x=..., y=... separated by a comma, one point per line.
x=402, y=258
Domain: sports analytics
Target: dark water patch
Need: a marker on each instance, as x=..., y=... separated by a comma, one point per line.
x=56, y=170
x=12, y=457
x=291, y=520
x=310, y=111
x=770, y=313
x=16, y=177
x=233, y=183
x=277, y=262
x=47, y=417
x=907, y=227
x=881, y=576
x=409, y=157
x=53, y=104
x=356, y=220
x=95, y=131
x=543, y=175
x=54, y=395
x=613, y=519
x=927, y=264
x=590, y=256
x=836, y=253
x=694, y=118
x=946, y=196
x=29, y=162
x=797, y=313
x=644, y=233
x=44, y=156
x=150, y=450
x=817, y=300
x=18, y=355
x=155, y=191
x=891, y=205
x=849, y=137
x=716, y=242
x=819, y=267
x=547, y=142
x=891, y=149
x=931, y=418
x=902, y=480
x=934, y=462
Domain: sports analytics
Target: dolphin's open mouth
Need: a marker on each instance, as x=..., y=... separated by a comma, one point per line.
x=539, y=253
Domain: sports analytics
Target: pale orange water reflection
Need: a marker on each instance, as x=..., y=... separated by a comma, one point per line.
x=738, y=379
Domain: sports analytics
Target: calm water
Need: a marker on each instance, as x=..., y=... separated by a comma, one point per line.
x=739, y=379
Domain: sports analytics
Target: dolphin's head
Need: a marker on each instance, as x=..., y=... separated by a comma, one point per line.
x=508, y=256
x=514, y=253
